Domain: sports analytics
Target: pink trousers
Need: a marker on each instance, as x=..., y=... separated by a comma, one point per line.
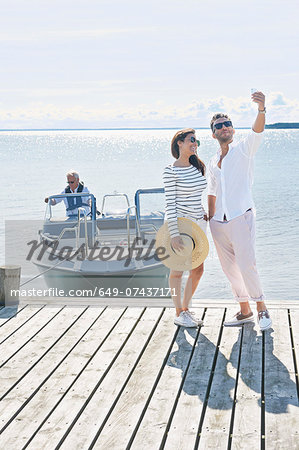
x=235, y=245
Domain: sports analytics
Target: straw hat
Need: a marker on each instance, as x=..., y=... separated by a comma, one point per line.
x=196, y=246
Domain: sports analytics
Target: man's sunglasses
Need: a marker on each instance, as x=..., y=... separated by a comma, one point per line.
x=70, y=182
x=218, y=126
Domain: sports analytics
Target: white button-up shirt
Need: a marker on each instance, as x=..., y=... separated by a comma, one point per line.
x=232, y=183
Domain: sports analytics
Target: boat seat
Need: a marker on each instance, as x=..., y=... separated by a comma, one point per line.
x=115, y=223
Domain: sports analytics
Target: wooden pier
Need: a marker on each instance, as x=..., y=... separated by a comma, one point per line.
x=115, y=377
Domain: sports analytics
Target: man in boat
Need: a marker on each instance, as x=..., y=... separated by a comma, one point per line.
x=232, y=214
x=74, y=185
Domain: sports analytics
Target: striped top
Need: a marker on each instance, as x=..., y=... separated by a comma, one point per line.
x=183, y=192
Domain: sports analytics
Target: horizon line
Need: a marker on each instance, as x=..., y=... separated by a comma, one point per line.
x=106, y=129
x=137, y=128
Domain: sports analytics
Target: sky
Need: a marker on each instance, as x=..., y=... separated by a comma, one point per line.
x=166, y=63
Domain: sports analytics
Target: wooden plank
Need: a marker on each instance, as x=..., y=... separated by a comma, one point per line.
x=124, y=418
x=95, y=412
x=50, y=393
x=17, y=339
x=216, y=425
x=105, y=362
x=18, y=321
x=215, y=302
x=155, y=421
x=281, y=402
x=184, y=427
x=247, y=422
x=139, y=302
x=144, y=375
x=294, y=319
x=29, y=384
x=294, y=314
x=9, y=312
x=24, y=361
x=144, y=302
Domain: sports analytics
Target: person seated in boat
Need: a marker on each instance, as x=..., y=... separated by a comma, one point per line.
x=74, y=185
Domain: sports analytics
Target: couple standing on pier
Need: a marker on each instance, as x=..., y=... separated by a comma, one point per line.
x=230, y=213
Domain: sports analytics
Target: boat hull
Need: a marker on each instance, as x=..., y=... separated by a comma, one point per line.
x=144, y=282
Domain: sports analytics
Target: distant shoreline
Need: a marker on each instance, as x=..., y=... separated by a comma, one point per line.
x=282, y=125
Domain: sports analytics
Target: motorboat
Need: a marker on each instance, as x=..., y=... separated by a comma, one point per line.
x=105, y=253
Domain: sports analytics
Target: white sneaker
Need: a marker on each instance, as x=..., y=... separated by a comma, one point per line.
x=194, y=318
x=239, y=319
x=264, y=320
x=184, y=320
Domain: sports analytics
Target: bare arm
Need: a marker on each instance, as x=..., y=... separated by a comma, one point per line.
x=53, y=201
x=211, y=205
x=259, y=124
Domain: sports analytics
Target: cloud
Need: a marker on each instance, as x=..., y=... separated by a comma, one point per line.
x=278, y=99
x=197, y=113
x=79, y=89
x=73, y=34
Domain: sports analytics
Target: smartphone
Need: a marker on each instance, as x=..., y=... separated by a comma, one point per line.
x=253, y=90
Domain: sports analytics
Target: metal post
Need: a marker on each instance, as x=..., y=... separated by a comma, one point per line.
x=9, y=285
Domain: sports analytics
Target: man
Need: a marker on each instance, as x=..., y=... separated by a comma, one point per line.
x=73, y=203
x=231, y=212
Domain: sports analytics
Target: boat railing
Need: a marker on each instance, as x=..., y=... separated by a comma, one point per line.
x=81, y=194
x=138, y=231
x=128, y=215
x=78, y=227
x=46, y=237
x=145, y=228
x=145, y=191
x=81, y=216
x=116, y=194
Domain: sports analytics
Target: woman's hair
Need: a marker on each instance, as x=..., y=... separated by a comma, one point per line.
x=194, y=160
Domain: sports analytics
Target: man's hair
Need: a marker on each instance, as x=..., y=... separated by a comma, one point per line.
x=217, y=116
x=73, y=173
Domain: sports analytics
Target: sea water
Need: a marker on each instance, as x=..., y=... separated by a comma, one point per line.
x=34, y=164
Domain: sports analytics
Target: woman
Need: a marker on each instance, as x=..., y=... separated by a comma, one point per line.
x=184, y=182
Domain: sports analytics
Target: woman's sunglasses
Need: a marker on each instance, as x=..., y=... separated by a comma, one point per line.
x=192, y=139
x=218, y=126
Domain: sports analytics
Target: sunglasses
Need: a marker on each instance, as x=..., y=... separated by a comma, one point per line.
x=70, y=182
x=218, y=126
x=193, y=140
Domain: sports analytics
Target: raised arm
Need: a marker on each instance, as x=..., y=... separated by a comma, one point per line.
x=259, y=124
